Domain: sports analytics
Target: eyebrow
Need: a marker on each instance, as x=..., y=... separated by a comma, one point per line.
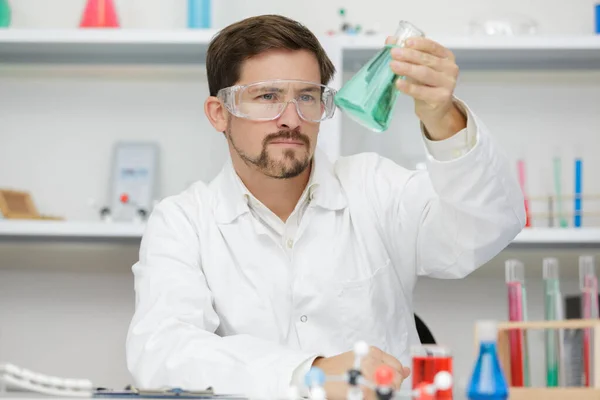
x=267, y=89
x=280, y=90
x=310, y=89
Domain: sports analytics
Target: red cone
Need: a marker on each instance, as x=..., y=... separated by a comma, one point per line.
x=99, y=14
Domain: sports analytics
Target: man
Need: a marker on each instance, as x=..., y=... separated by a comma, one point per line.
x=286, y=260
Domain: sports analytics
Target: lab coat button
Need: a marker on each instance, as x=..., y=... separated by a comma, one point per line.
x=303, y=318
x=290, y=243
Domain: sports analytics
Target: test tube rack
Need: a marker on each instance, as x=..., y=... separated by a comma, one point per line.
x=549, y=393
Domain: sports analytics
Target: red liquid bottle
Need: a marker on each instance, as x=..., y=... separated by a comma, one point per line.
x=427, y=361
x=99, y=14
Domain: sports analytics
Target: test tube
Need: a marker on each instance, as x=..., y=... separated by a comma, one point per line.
x=553, y=312
x=588, y=284
x=521, y=172
x=577, y=201
x=515, y=282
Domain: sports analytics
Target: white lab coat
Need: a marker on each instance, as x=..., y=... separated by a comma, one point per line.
x=222, y=300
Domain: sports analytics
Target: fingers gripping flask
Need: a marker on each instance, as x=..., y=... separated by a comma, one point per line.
x=369, y=96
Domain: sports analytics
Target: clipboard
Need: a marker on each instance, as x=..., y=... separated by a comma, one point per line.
x=174, y=393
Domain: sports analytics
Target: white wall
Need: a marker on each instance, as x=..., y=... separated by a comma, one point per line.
x=69, y=324
x=65, y=310
x=44, y=296
x=58, y=132
x=64, y=141
x=533, y=116
x=433, y=16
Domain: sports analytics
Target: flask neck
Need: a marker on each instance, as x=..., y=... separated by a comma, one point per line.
x=406, y=30
x=487, y=346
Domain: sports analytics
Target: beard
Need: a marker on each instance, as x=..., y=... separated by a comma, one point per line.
x=292, y=164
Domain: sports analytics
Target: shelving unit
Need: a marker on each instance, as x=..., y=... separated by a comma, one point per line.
x=74, y=230
x=104, y=46
x=188, y=47
x=97, y=46
x=532, y=237
x=526, y=52
x=73, y=274
x=91, y=243
x=98, y=230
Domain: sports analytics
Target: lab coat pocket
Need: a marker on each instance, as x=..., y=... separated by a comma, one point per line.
x=369, y=310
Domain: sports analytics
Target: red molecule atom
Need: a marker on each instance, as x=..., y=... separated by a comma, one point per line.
x=124, y=198
x=384, y=375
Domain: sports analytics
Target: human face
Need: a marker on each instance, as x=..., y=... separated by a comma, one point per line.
x=284, y=147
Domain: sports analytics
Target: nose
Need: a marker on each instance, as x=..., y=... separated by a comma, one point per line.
x=290, y=118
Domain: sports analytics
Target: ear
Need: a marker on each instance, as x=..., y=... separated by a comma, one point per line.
x=216, y=113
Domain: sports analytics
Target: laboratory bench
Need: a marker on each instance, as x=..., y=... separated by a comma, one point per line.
x=33, y=396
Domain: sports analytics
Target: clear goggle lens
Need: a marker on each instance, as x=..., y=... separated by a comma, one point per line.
x=264, y=101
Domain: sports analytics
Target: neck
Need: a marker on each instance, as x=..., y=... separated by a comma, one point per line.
x=279, y=195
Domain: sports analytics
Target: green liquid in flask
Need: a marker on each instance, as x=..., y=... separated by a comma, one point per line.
x=369, y=97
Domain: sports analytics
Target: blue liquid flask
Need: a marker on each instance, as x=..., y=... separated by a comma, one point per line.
x=369, y=96
x=487, y=381
x=199, y=14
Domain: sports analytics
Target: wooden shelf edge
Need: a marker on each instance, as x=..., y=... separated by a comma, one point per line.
x=554, y=393
x=563, y=324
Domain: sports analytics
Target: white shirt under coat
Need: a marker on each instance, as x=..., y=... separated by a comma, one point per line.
x=230, y=296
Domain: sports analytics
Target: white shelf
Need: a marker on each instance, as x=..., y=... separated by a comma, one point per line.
x=558, y=236
x=104, y=46
x=122, y=46
x=554, y=42
x=525, y=52
x=83, y=229
x=69, y=229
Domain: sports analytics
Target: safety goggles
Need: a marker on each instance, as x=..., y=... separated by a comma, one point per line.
x=267, y=100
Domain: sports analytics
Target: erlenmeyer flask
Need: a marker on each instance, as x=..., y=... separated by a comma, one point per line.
x=99, y=14
x=370, y=95
x=487, y=380
x=5, y=14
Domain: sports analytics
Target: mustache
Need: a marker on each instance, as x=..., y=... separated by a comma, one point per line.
x=292, y=135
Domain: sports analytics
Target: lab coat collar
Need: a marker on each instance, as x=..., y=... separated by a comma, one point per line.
x=323, y=190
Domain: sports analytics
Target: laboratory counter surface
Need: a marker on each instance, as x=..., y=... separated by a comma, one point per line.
x=526, y=394
x=34, y=396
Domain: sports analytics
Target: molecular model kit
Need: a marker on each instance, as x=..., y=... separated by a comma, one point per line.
x=315, y=381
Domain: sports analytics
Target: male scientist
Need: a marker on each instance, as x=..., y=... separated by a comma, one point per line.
x=287, y=259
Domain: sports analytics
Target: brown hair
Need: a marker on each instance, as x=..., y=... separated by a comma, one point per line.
x=249, y=37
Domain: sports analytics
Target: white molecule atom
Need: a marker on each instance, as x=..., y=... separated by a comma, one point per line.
x=443, y=380
x=361, y=349
x=318, y=393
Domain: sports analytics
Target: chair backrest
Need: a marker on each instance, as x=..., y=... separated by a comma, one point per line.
x=425, y=335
